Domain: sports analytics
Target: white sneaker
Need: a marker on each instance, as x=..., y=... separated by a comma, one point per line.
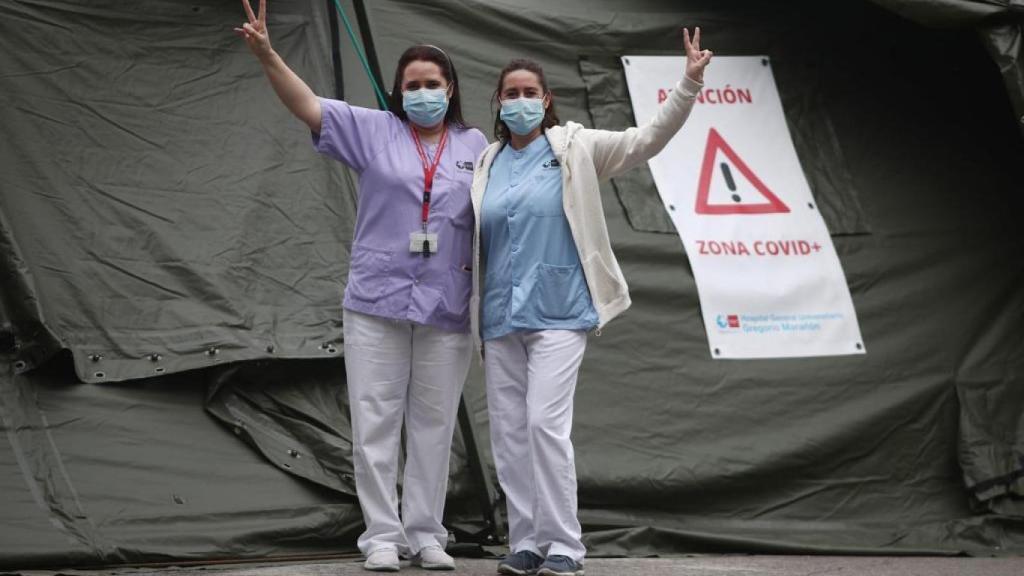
x=382, y=560
x=433, y=558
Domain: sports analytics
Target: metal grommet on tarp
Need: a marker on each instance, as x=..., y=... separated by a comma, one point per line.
x=154, y=357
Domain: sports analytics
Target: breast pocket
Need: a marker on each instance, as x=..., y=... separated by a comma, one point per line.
x=544, y=193
x=454, y=201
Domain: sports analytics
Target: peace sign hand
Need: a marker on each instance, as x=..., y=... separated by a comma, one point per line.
x=696, y=59
x=255, y=30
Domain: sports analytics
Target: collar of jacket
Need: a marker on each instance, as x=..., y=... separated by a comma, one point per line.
x=559, y=137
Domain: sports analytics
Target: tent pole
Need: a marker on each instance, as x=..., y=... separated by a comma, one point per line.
x=368, y=47
x=339, y=77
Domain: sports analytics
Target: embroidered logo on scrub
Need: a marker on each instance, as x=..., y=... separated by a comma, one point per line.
x=466, y=165
x=553, y=163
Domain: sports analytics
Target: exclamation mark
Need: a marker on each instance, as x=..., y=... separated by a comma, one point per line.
x=727, y=174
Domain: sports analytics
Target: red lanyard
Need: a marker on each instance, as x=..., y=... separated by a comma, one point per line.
x=428, y=169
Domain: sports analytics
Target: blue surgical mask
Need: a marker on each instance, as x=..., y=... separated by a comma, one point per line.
x=522, y=115
x=425, y=107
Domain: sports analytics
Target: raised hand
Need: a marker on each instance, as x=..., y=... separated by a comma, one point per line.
x=255, y=30
x=696, y=59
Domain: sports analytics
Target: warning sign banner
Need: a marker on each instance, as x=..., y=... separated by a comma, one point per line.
x=770, y=283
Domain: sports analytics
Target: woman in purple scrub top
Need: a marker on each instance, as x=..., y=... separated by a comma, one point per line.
x=406, y=306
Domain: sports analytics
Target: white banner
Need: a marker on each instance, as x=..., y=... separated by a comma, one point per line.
x=769, y=280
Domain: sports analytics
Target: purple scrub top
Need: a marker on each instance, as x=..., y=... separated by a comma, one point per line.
x=385, y=279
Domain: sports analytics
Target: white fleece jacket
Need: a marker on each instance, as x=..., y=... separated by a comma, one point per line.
x=588, y=156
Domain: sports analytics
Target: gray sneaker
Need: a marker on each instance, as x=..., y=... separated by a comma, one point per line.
x=559, y=565
x=522, y=563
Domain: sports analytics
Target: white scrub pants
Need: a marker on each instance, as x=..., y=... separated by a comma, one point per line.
x=531, y=379
x=399, y=370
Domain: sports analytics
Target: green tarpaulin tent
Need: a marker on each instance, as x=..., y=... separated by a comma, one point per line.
x=172, y=255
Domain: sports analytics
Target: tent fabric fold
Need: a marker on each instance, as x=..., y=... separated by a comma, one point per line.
x=999, y=24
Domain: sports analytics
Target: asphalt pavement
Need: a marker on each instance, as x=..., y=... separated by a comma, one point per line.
x=675, y=566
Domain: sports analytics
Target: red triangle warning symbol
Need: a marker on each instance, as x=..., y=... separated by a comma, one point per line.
x=772, y=205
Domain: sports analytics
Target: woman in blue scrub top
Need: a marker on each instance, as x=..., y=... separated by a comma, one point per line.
x=545, y=275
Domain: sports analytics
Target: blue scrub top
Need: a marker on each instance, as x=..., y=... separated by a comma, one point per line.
x=534, y=279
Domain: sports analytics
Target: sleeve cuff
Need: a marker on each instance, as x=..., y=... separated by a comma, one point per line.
x=689, y=86
x=317, y=137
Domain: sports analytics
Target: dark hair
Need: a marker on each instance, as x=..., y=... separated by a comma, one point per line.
x=501, y=131
x=428, y=53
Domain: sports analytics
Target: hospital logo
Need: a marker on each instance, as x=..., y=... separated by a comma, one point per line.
x=553, y=163
x=727, y=321
x=466, y=165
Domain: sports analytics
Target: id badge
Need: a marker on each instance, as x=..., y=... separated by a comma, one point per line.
x=416, y=240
